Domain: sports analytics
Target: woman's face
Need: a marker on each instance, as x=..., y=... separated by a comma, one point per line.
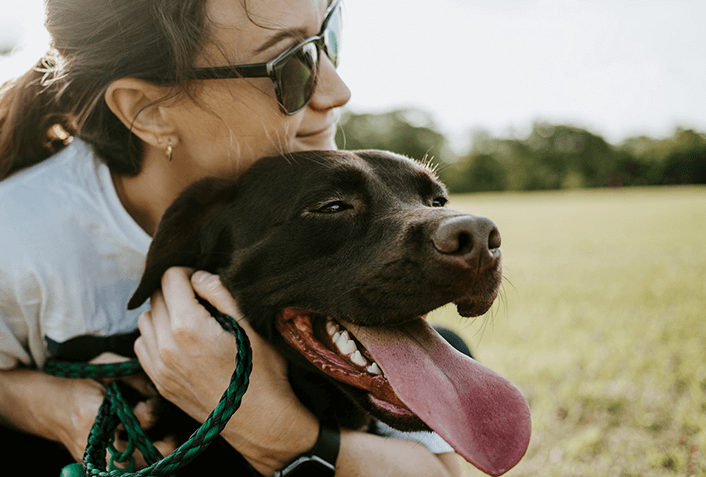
x=233, y=122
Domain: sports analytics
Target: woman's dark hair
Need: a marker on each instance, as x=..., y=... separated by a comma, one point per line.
x=95, y=42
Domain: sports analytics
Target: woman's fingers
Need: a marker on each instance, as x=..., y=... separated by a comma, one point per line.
x=165, y=446
x=178, y=296
x=210, y=288
x=147, y=410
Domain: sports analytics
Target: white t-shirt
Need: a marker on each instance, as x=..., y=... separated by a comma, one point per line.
x=70, y=259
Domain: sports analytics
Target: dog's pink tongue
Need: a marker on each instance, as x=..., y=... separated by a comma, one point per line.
x=482, y=415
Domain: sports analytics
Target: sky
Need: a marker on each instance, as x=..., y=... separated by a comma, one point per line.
x=619, y=68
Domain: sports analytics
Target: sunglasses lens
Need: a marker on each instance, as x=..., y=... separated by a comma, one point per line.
x=297, y=75
x=332, y=35
x=297, y=78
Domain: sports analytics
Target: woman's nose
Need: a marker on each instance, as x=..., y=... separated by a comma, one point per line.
x=331, y=92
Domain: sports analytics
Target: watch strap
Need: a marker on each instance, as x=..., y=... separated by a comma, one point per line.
x=327, y=444
x=324, y=453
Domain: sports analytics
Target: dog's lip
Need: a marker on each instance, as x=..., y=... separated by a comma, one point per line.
x=472, y=306
x=305, y=331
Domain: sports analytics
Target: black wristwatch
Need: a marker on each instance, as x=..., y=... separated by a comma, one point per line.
x=320, y=461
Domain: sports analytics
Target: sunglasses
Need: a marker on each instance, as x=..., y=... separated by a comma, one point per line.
x=294, y=72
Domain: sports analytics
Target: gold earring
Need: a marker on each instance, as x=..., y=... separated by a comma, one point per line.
x=169, y=152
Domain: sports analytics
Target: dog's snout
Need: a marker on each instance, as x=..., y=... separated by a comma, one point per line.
x=468, y=237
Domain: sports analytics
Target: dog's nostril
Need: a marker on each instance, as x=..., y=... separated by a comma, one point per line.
x=464, y=243
x=494, y=240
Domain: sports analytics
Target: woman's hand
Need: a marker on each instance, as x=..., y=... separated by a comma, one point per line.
x=190, y=359
x=64, y=409
x=78, y=400
x=185, y=352
x=84, y=397
x=147, y=411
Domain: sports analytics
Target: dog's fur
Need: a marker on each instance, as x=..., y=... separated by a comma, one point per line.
x=361, y=237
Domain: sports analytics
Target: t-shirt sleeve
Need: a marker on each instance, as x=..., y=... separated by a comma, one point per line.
x=14, y=329
x=21, y=293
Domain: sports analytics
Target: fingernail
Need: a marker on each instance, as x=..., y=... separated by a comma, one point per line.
x=200, y=276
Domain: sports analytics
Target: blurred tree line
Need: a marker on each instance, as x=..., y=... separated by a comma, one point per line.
x=551, y=157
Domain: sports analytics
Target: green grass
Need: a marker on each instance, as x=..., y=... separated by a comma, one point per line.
x=601, y=324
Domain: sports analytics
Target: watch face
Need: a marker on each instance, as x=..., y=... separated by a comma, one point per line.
x=309, y=467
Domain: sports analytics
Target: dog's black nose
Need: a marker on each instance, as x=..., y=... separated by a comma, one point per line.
x=469, y=237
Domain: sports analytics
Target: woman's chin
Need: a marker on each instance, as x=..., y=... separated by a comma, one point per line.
x=317, y=142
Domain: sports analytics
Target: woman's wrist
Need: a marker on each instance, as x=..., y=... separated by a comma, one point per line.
x=283, y=437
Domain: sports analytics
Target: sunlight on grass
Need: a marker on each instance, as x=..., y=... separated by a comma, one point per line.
x=601, y=324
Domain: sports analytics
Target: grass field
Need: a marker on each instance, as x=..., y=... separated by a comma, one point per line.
x=602, y=326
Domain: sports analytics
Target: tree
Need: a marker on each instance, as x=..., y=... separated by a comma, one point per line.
x=571, y=157
x=475, y=173
x=680, y=159
x=551, y=157
x=410, y=132
x=685, y=162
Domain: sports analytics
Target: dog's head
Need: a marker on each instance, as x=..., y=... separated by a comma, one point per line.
x=337, y=257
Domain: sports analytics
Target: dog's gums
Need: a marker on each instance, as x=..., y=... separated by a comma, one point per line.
x=333, y=350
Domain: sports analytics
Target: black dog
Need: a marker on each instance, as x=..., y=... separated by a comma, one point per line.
x=336, y=257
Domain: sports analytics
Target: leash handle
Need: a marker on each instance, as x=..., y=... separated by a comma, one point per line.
x=114, y=410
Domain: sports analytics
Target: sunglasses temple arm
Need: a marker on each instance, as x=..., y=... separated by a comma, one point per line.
x=228, y=72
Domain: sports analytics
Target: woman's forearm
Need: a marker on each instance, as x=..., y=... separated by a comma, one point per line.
x=272, y=441
x=369, y=455
x=47, y=406
x=361, y=454
x=22, y=392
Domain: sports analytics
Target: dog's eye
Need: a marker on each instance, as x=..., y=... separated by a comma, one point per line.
x=439, y=202
x=334, y=207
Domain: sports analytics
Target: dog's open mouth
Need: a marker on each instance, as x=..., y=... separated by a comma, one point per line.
x=335, y=351
x=409, y=370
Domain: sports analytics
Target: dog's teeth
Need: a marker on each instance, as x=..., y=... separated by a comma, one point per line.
x=335, y=336
x=374, y=369
x=358, y=359
x=331, y=328
x=345, y=345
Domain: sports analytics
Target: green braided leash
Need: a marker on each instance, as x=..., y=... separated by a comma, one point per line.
x=114, y=410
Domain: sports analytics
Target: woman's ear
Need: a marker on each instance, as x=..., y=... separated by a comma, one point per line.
x=136, y=103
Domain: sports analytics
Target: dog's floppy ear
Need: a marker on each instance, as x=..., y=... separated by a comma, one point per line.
x=187, y=235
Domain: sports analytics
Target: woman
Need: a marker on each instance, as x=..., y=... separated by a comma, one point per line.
x=137, y=86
